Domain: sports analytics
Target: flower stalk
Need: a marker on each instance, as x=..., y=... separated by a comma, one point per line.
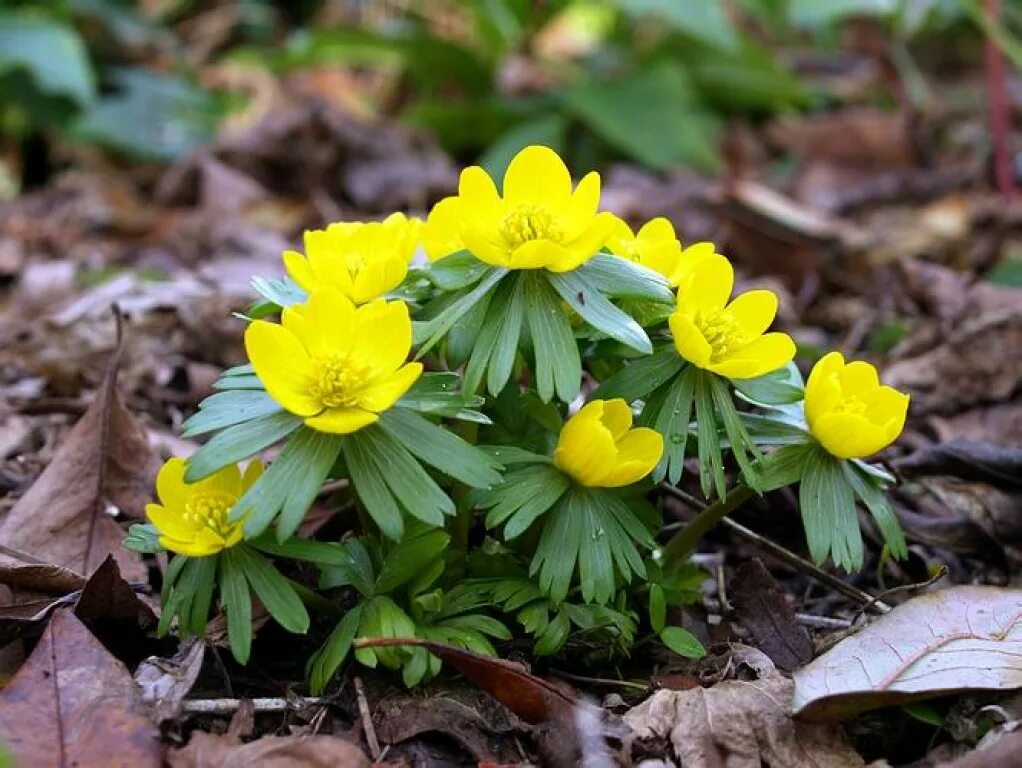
x=684, y=541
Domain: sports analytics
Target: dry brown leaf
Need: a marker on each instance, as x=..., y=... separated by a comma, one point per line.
x=164, y=683
x=72, y=703
x=207, y=750
x=104, y=465
x=740, y=724
x=952, y=640
x=762, y=608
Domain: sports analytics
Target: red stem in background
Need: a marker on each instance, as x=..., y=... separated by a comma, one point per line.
x=1000, y=117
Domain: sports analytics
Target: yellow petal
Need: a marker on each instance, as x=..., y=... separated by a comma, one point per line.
x=583, y=204
x=536, y=254
x=585, y=448
x=377, y=278
x=382, y=393
x=171, y=489
x=323, y=250
x=329, y=322
x=226, y=481
x=620, y=236
x=858, y=378
x=764, y=355
x=382, y=335
x=889, y=406
x=823, y=389
x=341, y=421
x=188, y=548
x=710, y=287
x=585, y=246
x=283, y=365
x=849, y=435
x=638, y=453
x=442, y=234
x=617, y=417
x=298, y=268
x=253, y=472
x=538, y=175
x=753, y=312
x=657, y=230
x=476, y=189
x=483, y=241
x=689, y=341
x=662, y=257
x=169, y=522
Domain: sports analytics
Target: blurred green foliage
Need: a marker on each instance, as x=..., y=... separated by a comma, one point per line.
x=598, y=80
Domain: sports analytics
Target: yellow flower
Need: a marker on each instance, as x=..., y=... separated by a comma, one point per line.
x=657, y=247
x=727, y=339
x=848, y=411
x=539, y=222
x=441, y=236
x=362, y=260
x=334, y=364
x=192, y=517
x=598, y=447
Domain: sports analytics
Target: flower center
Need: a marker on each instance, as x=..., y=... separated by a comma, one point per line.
x=337, y=380
x=721, y=332
x=209, y=510
x=529, y=222
x=851, y=404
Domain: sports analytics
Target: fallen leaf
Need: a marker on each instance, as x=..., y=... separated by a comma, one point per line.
x=949, y=641
x=967, y=459
x=531, y=698
x=739, y=724
x=207, y=750
x=1006, y=752
x=72, y=703
x=164, y=683
x=761, y=608
x=104, y=465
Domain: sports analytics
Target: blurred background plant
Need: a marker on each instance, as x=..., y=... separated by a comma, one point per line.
x=651, y=81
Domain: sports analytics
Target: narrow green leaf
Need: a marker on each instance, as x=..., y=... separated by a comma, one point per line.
x=742, y=447
x=459, y=270
x=409, y=557
x=554, y=636
x=237, y=602
x=239, y=442
x=555, y=557
x=505, y=345
x=596, y=310
x=878, y=505
x=682, y=642
x=672, y=421
x=657, y=608
x=323, y=553
x=461, y=338
x=558, y=366
x=225, y=409
x=440, y=448
x=375, y=495
x=638, y=377
x=230, y=383
x=782, y=387
x=329, y=658
x=828, y=512
x=281, y=291
x=314, y=455
x=273, y=590
x=429, y=332
x=623, y=279
x=711, y=464
x=783, y=467
x=204, y=580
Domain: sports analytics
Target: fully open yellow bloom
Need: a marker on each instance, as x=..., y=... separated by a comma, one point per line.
x=728, y=339
x=848, y=411
x=192, y=517
x=598, y=447
x=362, y=260
x=336, y=365
x=539, y=222
x=657, y=247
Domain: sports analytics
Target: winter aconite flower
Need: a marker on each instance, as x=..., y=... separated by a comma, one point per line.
x=192, y=517
x=362, y=260
x=599, y=448
x=337, y=365
x=657, y=247
x=727, y=338
x=538, y=221
x=848, y=411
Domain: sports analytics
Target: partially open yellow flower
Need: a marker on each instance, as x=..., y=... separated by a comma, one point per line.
x=192, y=517
x=441, y=236
x=362, y=260
x=337, y=365
x=598, y=447
x=539, y=222
x=848, y=411
x=728, y=339
x=657, y=247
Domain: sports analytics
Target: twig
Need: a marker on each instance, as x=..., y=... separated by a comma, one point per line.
x=822, y=622
x=710, y=516
x=228, y=706
x=684, y=541
x=367, y=720
x=600, y=680
x=24, y=557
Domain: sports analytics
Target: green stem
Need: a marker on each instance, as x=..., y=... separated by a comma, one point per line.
x=461, y=524
x=684, y=541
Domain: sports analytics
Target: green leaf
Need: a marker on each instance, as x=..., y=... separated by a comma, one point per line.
x=828, y=512
x=273, y=590
x=711, y=464
x=427, y=333
x=358, y=572
x=497, y=342
x=225, y=409
x=742, y=447
x=524, y=495
x=782, y=387
x=201, y=587
x=237, y=602
x=596, y=310
x=672, y=416
x=250, y=381
x=411, y=485
x=143, y=538
x=322, y=553
x=623, y=279
x=784, y=466
x=553, y=636
x=638, y=377
x=52, y=53
x=682, y=642
x=459, y=270
x=705, y=20
x=440, y=448
x=558, y=366
x=875, y=500
x=280, y=291
x=438, y=393
x=328, y=659
x=818, y=13
x=653, y=116
x=461, y=338
x=409, y=557
x=751, y=79
x=239, y=442
x=377, y=498
x=657, y=607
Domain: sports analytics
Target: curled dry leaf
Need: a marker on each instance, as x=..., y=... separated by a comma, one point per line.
x=164, y=683
x=72, y=703
x=207, y=750
x=104, y=463
x=740, y=724
x=953, y=640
